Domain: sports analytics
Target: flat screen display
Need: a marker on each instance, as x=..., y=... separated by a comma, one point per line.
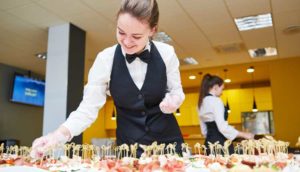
x=28, y=90
x=258, y=122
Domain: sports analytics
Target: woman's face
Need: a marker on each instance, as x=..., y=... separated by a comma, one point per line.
x=218, y=89
x=133, y=34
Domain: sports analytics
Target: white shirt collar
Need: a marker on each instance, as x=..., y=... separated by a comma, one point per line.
x=212, y=94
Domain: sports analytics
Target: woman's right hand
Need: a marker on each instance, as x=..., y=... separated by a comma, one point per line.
x=41, y=145
x=246, y=135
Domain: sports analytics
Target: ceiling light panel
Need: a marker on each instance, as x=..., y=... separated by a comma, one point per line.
x=254, y=22
x=262, y=52
x=162, y=37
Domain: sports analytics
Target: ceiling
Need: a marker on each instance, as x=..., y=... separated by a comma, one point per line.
x=197, y=28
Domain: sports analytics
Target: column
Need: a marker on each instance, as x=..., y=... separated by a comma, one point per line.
x=64, y=75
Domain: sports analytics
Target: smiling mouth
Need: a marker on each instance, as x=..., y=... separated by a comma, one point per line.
x=129, y=47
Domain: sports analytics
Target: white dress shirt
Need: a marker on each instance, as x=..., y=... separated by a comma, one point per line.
x=95, y=91
x=212, y=109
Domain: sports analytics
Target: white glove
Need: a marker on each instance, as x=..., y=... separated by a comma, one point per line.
x=41, y=145
x=245, y=135
x=170, y=103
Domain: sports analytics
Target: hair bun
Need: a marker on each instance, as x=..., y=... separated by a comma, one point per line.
x=208, y=76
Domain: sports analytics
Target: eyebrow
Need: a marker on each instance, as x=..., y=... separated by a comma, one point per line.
x=135, y=34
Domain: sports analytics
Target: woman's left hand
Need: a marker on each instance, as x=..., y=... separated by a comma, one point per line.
x=170, y=103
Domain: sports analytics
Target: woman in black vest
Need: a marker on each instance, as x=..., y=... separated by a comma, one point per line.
x=141, y=75
x=213, y=115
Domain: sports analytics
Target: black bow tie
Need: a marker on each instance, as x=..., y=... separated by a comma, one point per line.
x=144, y=56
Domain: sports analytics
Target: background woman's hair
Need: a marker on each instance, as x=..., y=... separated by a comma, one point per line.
x=207, y=83
x=143, y=10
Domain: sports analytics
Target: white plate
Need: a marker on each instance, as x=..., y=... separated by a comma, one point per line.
x=21, y=169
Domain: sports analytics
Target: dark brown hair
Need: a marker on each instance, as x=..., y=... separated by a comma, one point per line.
x=207, y=83
x=143, y=10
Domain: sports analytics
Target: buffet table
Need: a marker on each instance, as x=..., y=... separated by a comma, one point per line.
x=261, y=155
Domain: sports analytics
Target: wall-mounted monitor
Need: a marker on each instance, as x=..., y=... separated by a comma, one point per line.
x=258, y=123
x=28, y=90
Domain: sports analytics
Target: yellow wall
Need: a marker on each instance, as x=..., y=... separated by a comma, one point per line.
x=285, y=86
x=241, y=100
x=188, y=111
x=100, y=128
x=109, y=123
x=97, y=129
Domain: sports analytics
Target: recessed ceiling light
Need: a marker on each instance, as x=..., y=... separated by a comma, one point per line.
x=250, y=69
x=42, y=55
x=190, y=60
x=192, y=77
x=227, y=80
x=162, y=37
x=254, y=22
x=263, y=52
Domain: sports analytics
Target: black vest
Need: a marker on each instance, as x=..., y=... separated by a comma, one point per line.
x=139, y=118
